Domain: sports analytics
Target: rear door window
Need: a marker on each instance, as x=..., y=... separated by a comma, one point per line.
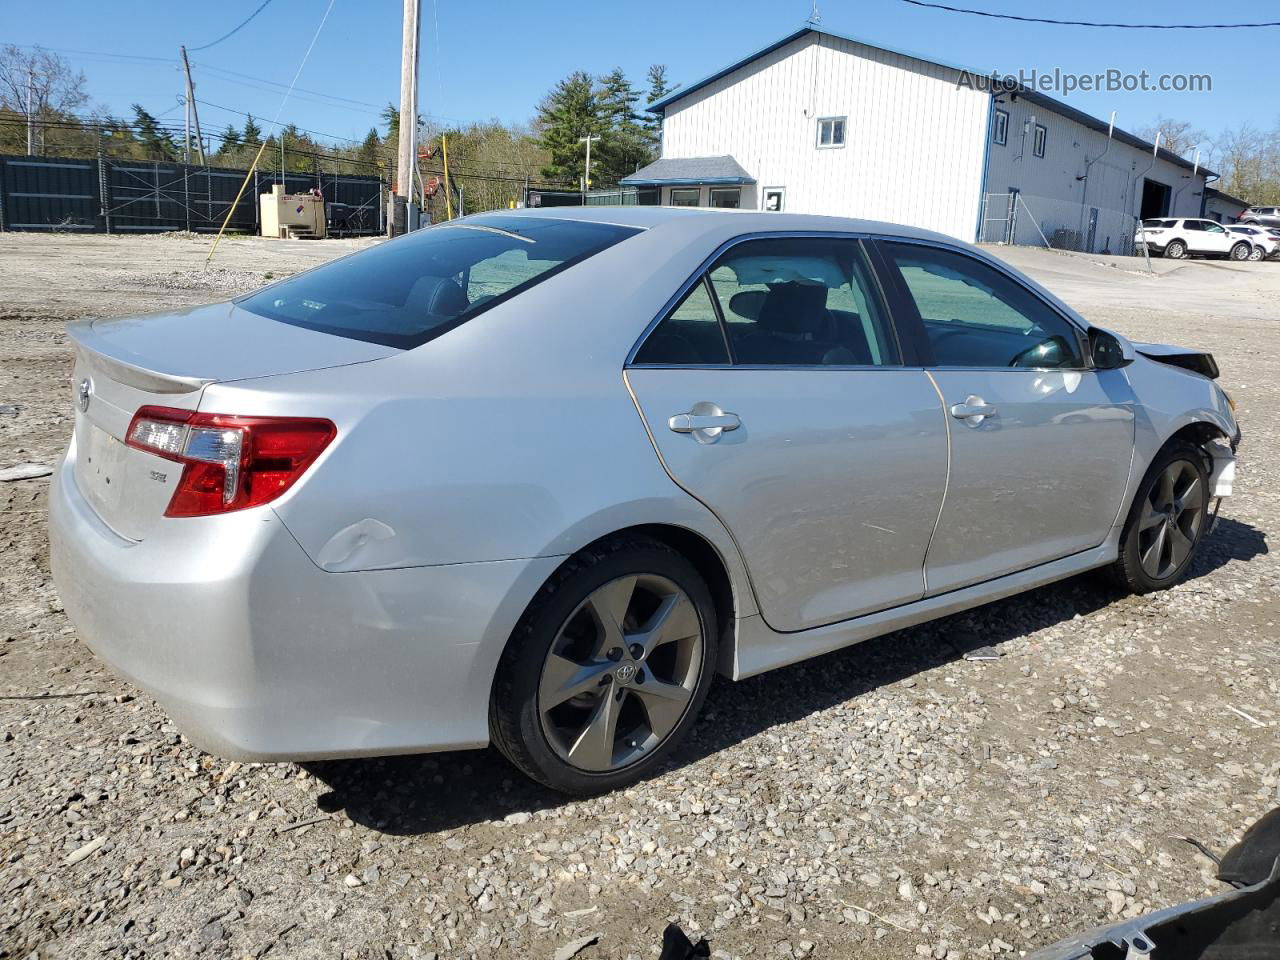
x=410, y=290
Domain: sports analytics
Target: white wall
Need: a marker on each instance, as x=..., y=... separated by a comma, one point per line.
x=914, y=139
x=1054, y=196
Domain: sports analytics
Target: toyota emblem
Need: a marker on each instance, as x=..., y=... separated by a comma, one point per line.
x=85, y=394
x=626, y=672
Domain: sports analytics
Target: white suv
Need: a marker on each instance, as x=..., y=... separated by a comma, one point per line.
x=1266, y=241
x=1180, y=237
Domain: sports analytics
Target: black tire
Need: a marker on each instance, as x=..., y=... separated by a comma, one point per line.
x=1129, y=570
x=515, y=720
x=1257, y=255
x=1240, y=251
x=1175, y=250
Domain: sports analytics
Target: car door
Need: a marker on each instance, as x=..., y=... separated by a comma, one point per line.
x=775, y=392
x=1041, y=443
x=1216, y=238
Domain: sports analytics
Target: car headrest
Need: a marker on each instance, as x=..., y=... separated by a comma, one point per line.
x=437, y=296
x=794, y=308
x=747, y=303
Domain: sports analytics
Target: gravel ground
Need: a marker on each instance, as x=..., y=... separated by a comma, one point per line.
x=893, y=799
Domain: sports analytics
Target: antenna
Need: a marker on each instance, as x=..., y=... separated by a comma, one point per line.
x=815, y=17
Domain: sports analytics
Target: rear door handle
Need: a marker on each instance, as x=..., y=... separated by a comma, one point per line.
x=705, y=421
x=973, y=411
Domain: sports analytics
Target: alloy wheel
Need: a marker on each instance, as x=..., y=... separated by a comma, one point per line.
x=621, y=673
x=1171, y=519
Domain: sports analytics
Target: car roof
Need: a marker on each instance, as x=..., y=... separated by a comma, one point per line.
x=697, y=219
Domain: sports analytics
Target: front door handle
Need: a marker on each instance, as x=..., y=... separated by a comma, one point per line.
x=705, y=421
x=973, y=411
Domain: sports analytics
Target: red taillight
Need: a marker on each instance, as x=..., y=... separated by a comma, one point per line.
x=229, y=462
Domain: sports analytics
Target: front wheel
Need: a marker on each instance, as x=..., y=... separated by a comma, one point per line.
x=608, y=668
x=1176, y=250
x=1166, y=521
x=1240, y=251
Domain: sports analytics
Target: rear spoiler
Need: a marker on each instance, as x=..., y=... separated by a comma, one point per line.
x=1197, y=361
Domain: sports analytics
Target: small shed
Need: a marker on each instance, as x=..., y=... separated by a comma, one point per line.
x=696, y=182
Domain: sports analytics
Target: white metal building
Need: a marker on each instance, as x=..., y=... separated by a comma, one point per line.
x=823, y=123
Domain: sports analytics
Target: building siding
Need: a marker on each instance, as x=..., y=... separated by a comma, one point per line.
x=1058, y=202
x=914, y=141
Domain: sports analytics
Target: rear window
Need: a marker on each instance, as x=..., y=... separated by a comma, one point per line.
x=412, y=289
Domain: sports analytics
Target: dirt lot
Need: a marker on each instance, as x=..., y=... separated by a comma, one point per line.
x=893, y=799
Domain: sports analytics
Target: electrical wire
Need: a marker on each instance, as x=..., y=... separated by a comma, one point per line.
x=234, y=31
x=275, y=83
x=1090, y=23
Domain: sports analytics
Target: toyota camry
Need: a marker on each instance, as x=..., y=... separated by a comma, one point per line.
x=532, y=478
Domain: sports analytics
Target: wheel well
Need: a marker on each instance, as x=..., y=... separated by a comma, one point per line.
x=707, y=561
x=1200, y=434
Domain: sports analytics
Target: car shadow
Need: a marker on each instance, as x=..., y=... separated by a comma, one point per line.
x=430, y=793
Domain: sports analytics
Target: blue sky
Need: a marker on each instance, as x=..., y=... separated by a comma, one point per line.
x=496, y=58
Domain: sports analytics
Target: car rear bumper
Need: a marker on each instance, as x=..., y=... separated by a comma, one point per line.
x=257, y=654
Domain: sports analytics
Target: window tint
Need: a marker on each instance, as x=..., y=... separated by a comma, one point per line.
x=690, y=334
x=975, y=316
x=801, y=301
x=1038, y=140
x=410, y=290
x=1193, y=225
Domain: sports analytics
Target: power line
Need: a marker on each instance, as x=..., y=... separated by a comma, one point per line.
x=276, y=83
x=234, y=31
x=1090, y=23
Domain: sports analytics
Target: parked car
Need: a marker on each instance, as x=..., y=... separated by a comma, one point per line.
x=1261, y=216
x=532, y=478
x=1265, y=242
x=1178, y=237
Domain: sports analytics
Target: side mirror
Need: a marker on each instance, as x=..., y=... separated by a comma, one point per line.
x=1110, y=352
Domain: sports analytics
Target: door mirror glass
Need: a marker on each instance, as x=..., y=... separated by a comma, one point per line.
x=1109, y=351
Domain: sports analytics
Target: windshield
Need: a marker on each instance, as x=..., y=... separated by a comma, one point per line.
x=412, y=289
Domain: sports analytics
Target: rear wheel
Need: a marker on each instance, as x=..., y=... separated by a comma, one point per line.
x=608, y=668
x=1240, y=251
x=1166, y=521
x=1256, y=254
x=1176, y=250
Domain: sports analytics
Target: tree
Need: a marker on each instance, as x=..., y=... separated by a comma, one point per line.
x=624, y=146
x=568, y=112
x=652, y=122
x=370, y=149
x=1176, y=136
x=156, y=144
x=230, y=138
x=1248, y=161
x=53, y=89
x=252, y=132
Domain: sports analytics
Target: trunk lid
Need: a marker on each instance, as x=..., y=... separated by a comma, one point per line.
x=167, y=360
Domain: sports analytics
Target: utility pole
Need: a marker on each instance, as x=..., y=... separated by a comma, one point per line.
x=31, y=117
x=192, y=114
x=408, y=145
x=586, y=181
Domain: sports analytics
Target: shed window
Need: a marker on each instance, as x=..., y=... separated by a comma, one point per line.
x=729, y=197
x=830, y=132
x=1000, y=128
x=1037, y=141
x=684, y=197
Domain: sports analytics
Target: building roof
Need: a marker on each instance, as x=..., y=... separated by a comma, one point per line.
x=688, y=170
x=1226, y=196
x=1033, y=96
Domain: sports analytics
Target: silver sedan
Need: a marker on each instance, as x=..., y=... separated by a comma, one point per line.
x=533, y=478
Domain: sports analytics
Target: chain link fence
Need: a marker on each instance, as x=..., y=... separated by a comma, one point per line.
x=1023, y=219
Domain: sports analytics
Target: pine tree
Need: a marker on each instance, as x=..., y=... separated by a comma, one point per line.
x=652, y=122
x=252, y=132
x=624, y=146
x=230, y=139
x=371, y=146
x=156, y=144
x=568, y=112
